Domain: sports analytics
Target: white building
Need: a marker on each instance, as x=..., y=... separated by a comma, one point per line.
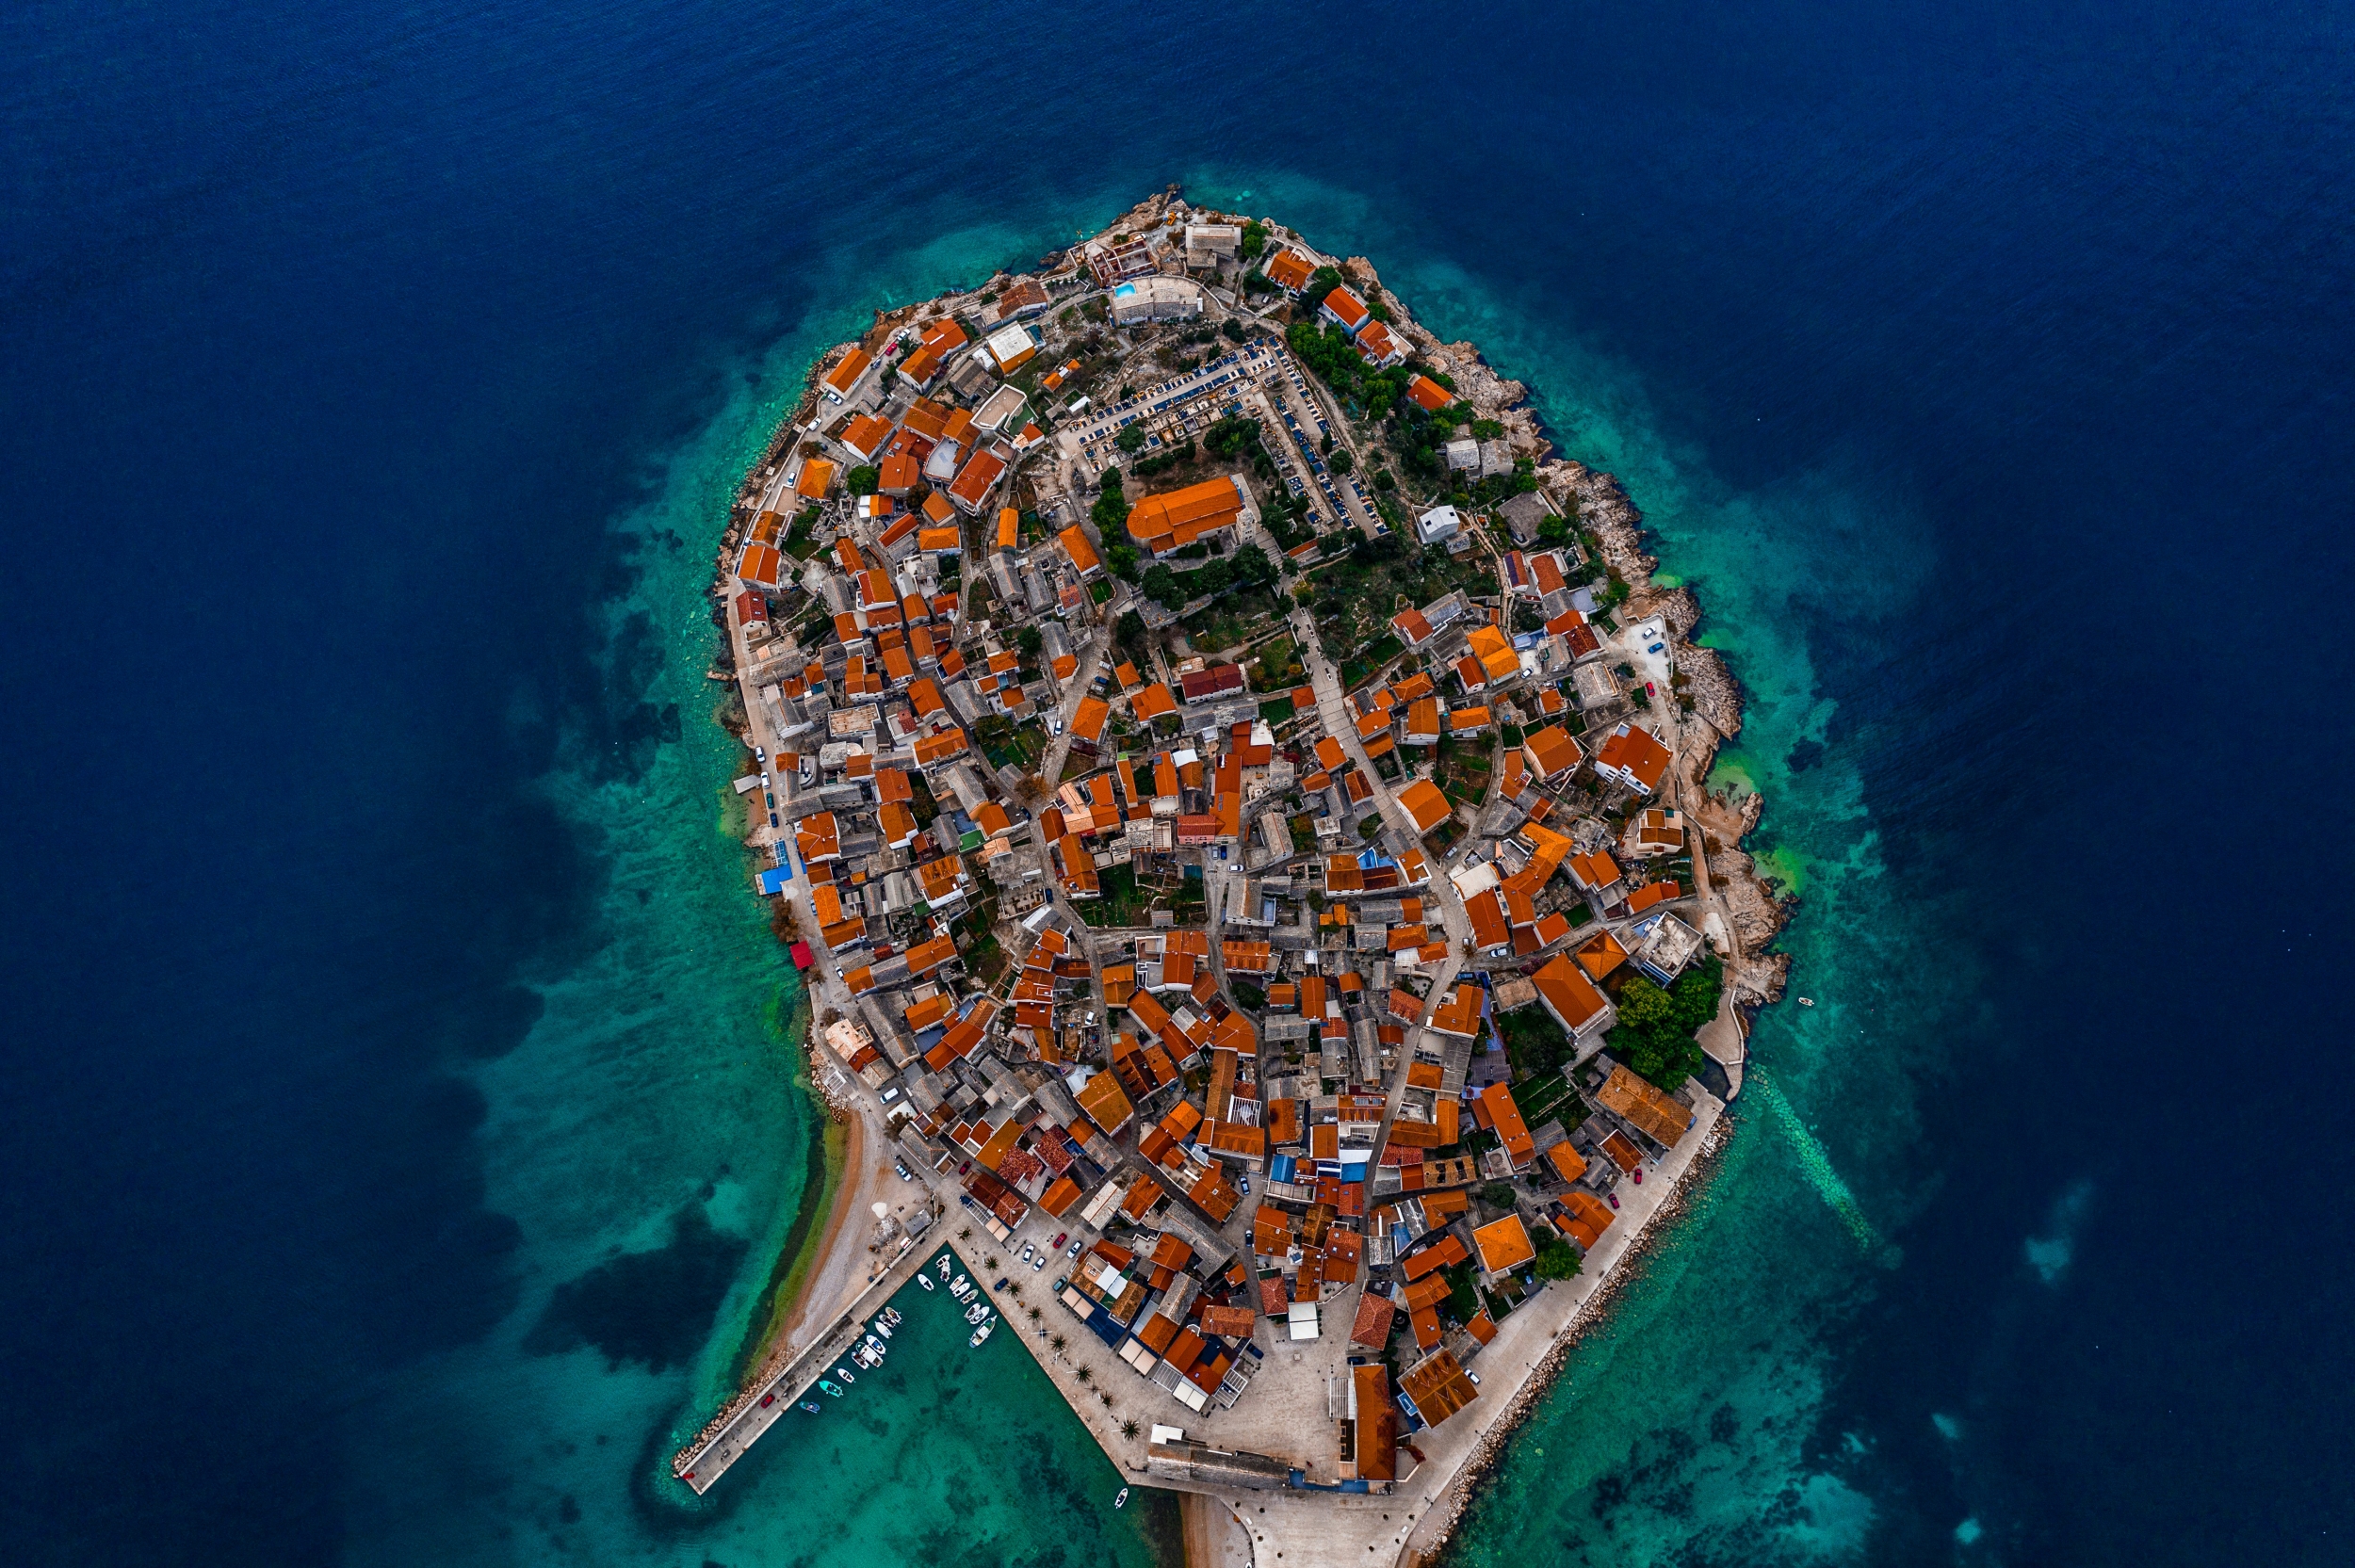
x=1142, y=299
x=1010, y=345
x=1439, y=525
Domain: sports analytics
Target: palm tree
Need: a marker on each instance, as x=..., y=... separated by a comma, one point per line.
x=1035, y=1315
x=1087, y=1374
x=1106, y=1396
x=966, y=1235
x=1058, y=1342
x=1127, y=1429
x=1014, y=1290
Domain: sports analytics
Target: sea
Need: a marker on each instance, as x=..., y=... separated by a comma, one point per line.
x=400, y=1103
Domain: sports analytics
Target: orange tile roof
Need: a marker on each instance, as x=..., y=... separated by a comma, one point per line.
x=1289, y=269
x=1568, y=993
x=1504, y=1244
x=1634, y=754
x=844, y=375
x=1083, y=554
x=816, y=479
x=1153, y=703
x=1177, y=518
x=1501, y=1114
x=1423, y=802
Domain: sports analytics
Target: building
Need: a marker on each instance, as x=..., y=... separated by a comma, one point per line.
x=1177, y=518
x=1503, y=1245
x=1662, y=1117
x=843, y=380
x=1422, y=803
x=1380, y=346
x=1345, y=310
x=1290, y=270
x=1083, y=558
x=1207, y=242
x=1439, y=525
x=1564, y=991
x=1429, y=395
x=1023, y=298
x=1140, y=301
x=1002, y=409
x=1633, y=757
x=1497, y=1108
x=975, y=480
x=1011, y=347
x=1655, y=830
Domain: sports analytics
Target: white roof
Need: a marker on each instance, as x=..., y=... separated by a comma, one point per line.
x=1302, y=1320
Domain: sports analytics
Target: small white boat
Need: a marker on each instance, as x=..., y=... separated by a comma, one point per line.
x=943, y=1266
x=980, y=1333
x=981, y=1310
x=924, y=1280
x=1121, y=1501
x=881, y=1328
x=1807, y=1001
x=960, y=1284
x=877, y=1346
x=891, y=1314
x=844, y=1373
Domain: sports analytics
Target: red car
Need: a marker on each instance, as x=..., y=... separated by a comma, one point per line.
x=1061, y=1236
x=767, y=1400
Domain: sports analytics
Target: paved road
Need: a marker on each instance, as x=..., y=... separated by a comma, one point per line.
x=1328, y=685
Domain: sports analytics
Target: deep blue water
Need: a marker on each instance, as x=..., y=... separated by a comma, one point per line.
x=352, y=354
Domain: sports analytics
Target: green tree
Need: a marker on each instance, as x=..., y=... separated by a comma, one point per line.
x=1233, y=330
x=1130, y=439
x=1161, y=586
x=1129, y=630
x=1487, y=429
x=1644, y=1006
x=862, y=480
x=1553, y=531
x=1384, y=479
x=1557, y=1259
x=1254, y=239
x=1029, y=641
x=1121, y=558
x=1342, y=462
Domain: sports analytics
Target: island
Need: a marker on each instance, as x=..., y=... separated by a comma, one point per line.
x=1241, y=809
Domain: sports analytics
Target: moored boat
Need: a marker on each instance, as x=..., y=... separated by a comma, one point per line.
x=981, y=1310
x=924, y=1280
x=812, y=1406
x=829, y=1390
x=1122, y=1500
x=980, y=1333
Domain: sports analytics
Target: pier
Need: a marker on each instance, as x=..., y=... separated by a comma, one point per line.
x=701, y=1464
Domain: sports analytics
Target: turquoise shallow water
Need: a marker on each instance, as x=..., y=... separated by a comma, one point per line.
x=945, y=1454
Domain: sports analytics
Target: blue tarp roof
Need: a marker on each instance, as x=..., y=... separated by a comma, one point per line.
x=774, y=879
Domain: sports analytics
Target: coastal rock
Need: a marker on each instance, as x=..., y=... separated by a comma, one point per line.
x=1477, y=384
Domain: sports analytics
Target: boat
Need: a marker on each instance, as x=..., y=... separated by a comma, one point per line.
x=924, y=1280
x=1122, y=1500
x=891, y=1314
x=844, y=1373
x=813, y=1407
x=943, y=1266
x=981, y=1310
x=1807, y=1001
x=882, y=1328
x=960, y=1284
x=829, y=1389
x=980, y=1333
x=875, y=1345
